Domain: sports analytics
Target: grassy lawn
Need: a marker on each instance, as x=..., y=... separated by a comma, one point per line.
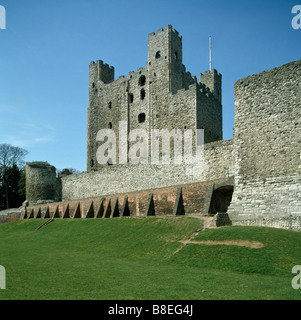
x=132, y=258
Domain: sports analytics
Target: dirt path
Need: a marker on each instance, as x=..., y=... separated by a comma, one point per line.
x=207, y=223
x=250, y=244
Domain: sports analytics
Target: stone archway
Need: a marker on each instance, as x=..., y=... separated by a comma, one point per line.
x=221, y=199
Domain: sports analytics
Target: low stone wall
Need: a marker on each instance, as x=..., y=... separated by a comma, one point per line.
x=188, y=199
x=11, y=215
x=218, y=162
x=274, y=202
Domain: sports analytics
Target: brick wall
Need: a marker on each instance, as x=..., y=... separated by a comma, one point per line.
x=188, y=199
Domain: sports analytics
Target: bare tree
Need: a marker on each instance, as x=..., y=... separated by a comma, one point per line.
x=10, y=156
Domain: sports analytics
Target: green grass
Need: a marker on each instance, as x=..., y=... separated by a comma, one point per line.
x=133, y=259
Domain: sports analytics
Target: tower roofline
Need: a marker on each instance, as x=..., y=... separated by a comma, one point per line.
x=167, y=28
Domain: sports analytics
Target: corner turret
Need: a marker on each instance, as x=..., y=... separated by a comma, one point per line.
x=213, y=81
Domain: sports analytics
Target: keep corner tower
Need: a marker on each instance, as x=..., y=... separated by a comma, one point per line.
x=163, y=95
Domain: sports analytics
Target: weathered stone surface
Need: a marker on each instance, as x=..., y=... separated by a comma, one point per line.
x=160, y=96
x=267, y=145
x=11, y=215
x=222, y=219
x=41, y=183
x=218, y=164
x=263, y=156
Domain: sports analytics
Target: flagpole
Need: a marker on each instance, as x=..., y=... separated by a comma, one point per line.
x=210, y=53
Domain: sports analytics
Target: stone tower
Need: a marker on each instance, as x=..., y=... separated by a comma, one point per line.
x=164, y=65
x=41, y=182
x=163, y=95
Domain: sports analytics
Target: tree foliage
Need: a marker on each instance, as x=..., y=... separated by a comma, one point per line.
x=12, y=176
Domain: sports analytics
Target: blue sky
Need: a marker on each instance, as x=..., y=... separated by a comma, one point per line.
x=47, y=46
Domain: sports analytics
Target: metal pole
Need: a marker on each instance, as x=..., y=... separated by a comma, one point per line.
x=210, y=53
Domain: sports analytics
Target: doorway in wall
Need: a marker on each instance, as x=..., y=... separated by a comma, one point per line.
x=221, y=199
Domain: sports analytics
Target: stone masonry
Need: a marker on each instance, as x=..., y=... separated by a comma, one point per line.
x=267, y=145
x=261, y=162
x=163, y=95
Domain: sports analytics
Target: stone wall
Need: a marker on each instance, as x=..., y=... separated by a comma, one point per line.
x=11, y=215
x=272, y=202
x=209, y=114
x=41, y=182
x=263, y=156
x=160, y=96
x=218, y=164
x=188, y=199
x=267, y=144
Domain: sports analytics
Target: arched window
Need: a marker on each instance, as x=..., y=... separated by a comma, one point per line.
x=158, y=54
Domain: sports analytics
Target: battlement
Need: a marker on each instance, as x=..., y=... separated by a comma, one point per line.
x=162, y=30
x=100, y=71
x=213, y=81
x=101, y=64
x=214, y=71
x=161, y=95
x=165, y=58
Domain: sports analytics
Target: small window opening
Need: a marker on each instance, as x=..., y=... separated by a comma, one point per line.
x=110, y=125
x=142, y=94
x=131, y=98
x=176, y=55
x=141, y=117
x=158, y=54
x=92, y=163
x=142, y=80
x=110, y=105
x=93, y=85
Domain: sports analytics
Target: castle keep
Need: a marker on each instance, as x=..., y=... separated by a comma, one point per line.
x=163, y=95
x=251, y=179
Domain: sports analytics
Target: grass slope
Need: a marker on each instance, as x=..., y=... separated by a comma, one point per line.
x=133, y=259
